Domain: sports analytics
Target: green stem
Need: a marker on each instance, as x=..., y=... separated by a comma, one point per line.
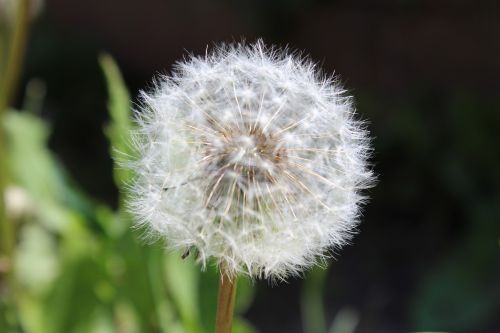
x=8, y=84
x=15, y=55
x=3, y=30
x=225, y=304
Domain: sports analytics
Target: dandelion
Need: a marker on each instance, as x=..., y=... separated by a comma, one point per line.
x=250, y=158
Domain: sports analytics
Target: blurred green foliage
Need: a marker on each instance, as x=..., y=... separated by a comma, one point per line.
x=79, y=266
x=462, y=292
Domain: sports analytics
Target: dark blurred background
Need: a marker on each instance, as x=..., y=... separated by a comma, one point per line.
x=426, y=74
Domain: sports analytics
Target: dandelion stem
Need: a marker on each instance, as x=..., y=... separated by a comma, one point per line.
x=225, y=304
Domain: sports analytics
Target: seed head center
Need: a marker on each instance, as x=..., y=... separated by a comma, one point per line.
x=249, y=154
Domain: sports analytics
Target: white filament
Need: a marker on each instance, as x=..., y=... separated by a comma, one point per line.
x=249, y=157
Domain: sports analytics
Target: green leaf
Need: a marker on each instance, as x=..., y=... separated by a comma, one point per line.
x=182, y=278
x=208, y=289
x=120, y=125
x=36, y=261
x=137, y=272
x=74, y=298
x=35, y=169
x=313, y=312
x=31, y=163
x=165, y=312
x=242, y=326
x=244, y=295
x=114, y=224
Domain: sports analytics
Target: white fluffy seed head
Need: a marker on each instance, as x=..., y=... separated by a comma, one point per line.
x=249, y=157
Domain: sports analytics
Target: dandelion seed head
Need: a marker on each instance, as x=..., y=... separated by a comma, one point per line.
x=252, y=158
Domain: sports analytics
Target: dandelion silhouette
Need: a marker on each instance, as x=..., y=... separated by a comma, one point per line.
x=252, y=158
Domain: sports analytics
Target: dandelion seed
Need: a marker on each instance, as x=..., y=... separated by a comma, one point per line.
x=250, y=158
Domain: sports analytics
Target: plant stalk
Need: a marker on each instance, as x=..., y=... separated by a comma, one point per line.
x=8, y=84
x=15, y=54
x=225, y=303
